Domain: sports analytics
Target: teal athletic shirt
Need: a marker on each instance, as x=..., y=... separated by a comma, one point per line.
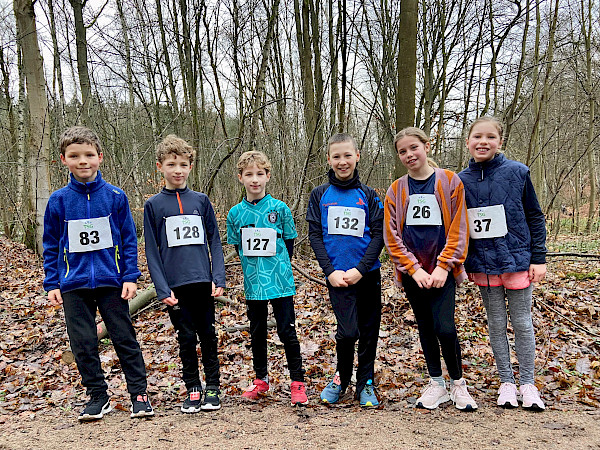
x=265, y=277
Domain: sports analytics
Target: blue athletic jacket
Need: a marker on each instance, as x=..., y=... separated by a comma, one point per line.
x=109, y=267
x=507, y=182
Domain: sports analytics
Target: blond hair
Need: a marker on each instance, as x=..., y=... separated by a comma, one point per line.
x=338, y=138
x=79, y=135
x=174, y=145
x=497, y=122
x=253, y=157
x=420, y=135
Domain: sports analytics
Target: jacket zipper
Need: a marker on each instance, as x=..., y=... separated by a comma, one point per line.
x=92, y=272
x=117, y=258
x=66, y=261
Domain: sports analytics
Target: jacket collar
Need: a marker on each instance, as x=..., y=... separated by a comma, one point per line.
x=352, y=183
x=85, y=188
x=486, y=165
x=175, y=191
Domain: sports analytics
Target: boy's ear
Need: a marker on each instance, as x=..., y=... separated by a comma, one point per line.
x=62, y=159
x=159, y=166
x=100, y=157
x=239, y=177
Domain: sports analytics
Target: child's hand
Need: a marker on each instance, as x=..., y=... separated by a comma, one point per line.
x=438, y=277
x=336, y=278
x=537, y=272
x=422, y=278
x=216, y=291
x=352, y=276
x=55, y=297
x=170, y=301
x=128, y=291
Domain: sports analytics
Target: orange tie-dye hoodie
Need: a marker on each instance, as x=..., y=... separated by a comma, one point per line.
x=449, y=192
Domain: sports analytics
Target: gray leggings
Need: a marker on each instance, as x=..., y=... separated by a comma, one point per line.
x=519, y=306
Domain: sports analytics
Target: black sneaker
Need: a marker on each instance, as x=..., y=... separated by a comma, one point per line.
x=193, y=402
x=211, y=400
x=95, y=409
x=140, y=406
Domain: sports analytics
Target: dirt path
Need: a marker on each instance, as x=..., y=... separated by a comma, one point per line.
x=275, y=425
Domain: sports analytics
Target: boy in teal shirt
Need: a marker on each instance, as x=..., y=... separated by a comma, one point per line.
x=263, y=232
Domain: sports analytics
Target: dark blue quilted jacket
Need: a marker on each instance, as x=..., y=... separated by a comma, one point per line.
x=507, y=182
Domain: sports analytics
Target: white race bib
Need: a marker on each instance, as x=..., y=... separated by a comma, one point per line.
x=423, y=209
x=184, y=230
x=346, y=220
x=259, y=241
x=487, y=222
x=86, y=235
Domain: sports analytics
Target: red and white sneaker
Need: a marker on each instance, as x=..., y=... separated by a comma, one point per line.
x=299, y=393
x=257, y=387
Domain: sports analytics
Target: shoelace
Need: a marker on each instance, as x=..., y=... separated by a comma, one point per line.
x=369, y=390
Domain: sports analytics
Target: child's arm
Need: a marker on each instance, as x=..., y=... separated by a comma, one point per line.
x=315, y=236
x=155, y=266
x=537, y=229
x=454, y=252
x=373, y=250
x=128, y=264
x=216, y=249
x=51, y=239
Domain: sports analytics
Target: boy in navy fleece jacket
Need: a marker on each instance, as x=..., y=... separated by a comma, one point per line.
x=90, y=260
x=178, y=225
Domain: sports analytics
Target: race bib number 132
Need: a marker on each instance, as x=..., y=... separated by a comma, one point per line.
x=346, y=220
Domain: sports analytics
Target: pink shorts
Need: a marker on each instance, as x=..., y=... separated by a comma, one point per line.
x=514, y=280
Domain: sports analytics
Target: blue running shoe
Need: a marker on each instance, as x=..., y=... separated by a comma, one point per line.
x=368, y=397
x=331, y=393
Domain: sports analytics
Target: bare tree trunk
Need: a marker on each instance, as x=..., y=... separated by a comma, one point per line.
x=82, y=58
x=174, y=109
x=592, y=112
x=406, y=71
x=57, y=67
x=39, y=142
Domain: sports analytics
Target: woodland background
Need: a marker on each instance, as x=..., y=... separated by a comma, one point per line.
x=283, y=75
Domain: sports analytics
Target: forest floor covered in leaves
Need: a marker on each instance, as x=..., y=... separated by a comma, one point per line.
x=41, y=396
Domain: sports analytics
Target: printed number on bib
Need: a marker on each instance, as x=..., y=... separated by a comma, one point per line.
x=488, y=222
x=259, y=241
x=346, y=220
x=86, y=235
x=184, y=230
x=423, y=209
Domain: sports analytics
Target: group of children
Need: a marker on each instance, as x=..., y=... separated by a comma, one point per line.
x=432, y=222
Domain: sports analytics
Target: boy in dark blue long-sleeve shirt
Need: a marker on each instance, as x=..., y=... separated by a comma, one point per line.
x=90, y=260
x=178, y=225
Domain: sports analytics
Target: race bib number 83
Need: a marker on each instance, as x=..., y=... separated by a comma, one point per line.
x=86, y=235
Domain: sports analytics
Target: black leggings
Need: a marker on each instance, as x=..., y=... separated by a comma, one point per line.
x=434, y=312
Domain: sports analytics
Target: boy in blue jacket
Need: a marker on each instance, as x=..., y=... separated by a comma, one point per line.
x=178, y=225
x=90, y=260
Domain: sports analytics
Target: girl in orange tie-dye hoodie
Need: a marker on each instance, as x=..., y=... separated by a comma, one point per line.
x=426, y=234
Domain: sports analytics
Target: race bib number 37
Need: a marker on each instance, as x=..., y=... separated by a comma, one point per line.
x=184, y=230
x=259, y=241
x=488, y=222
x=86, y=235
x=346, y=220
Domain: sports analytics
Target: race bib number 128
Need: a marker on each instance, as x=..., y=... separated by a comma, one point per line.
x=184, y=230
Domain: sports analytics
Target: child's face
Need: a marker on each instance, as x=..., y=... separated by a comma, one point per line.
x=83, y=161
x=342, y=158
x=255, y=181
x=484, y=141
x=413, y=154
x=176, y=170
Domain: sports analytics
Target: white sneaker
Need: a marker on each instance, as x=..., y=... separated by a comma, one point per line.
x=507, y=395
x=461, y=397
x=433, y=396
x=531, y=398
